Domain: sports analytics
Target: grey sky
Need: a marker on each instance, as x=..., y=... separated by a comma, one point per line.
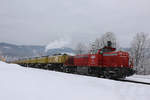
x=42, y=21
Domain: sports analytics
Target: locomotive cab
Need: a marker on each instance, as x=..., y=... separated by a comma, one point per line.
x=108, y=48
x=96, y=56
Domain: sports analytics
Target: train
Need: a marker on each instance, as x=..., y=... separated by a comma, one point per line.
x=105, y=62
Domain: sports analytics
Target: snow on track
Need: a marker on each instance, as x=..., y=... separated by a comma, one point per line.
x=19, y=83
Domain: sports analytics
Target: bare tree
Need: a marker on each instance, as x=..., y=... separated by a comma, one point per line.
x=139, y=49
x=81, y=48
x=102, y=41
x=109, y=36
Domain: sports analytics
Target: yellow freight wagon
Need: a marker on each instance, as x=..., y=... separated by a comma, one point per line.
x=27, y=61
x=57, y=59
x=21, y=61
x=33, y=60
x=45, y=60
x=42, y=60
x=51, y=59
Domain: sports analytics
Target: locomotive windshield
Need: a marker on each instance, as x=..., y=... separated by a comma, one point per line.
x=107, y=50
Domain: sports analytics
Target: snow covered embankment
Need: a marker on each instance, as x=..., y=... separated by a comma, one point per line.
x=19, y=83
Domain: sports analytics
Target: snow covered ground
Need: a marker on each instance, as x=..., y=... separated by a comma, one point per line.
x=19, y=83
x=141, y=78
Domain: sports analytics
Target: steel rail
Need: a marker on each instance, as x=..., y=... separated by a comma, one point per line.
x=132, y=81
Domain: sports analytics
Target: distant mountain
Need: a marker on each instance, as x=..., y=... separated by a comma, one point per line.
x=21, y=51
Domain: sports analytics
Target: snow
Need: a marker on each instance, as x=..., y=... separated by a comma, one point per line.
x=19, y=83
x=141, y=78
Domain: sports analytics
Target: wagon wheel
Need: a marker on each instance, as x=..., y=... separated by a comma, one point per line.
x=67, y=70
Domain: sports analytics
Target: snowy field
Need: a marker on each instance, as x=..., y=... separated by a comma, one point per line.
x=141, y=78
x=19, y=83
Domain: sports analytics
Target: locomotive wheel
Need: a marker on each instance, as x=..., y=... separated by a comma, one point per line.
x=123, y=77
x=107, y=75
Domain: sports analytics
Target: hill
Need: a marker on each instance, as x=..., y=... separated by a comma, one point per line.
x=12, y=51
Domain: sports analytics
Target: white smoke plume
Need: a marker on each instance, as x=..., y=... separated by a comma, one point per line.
x=58, y=44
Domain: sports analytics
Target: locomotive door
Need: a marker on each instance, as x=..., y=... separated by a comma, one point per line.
x=93, y=60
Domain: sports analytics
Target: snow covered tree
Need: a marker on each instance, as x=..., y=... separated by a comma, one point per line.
x=139, y=50
x=81, y=48
x=102, y=41
x=109, y=36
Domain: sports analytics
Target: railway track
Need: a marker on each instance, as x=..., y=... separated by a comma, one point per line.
x=133, y=81
x=142, y=78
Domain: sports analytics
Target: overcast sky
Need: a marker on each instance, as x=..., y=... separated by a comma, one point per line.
x=42, y=21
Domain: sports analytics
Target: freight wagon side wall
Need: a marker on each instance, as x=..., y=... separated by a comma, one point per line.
x=42, y=60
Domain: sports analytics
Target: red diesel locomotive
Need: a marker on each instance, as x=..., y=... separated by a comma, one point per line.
x=105, y=62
